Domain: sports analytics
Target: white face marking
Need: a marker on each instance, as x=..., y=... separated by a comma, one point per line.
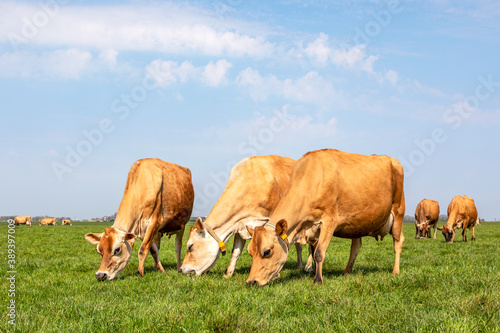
x=202, y=255
x=116, y=263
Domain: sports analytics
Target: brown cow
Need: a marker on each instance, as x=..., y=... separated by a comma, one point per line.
x=22, y=220
x=462, y=213
x=426, y=217
x=48, y=221
x=253, y=191
x=348, y=195
x=66, y=222
x=158, y=199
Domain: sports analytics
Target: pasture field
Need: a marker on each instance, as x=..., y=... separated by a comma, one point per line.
x=441, y=288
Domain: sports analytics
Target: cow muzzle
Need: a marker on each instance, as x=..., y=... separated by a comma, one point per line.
x=251, y=282
x=101, y=276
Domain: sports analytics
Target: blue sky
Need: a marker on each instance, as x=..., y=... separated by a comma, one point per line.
x=89, y=87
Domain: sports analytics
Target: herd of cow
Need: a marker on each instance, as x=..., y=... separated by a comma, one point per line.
x=274, y=201
x=45, y=221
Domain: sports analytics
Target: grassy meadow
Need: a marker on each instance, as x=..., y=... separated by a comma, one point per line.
x=441, y=288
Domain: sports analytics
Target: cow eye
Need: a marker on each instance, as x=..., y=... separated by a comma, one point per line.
x=267, y=253
x=190, y=247
x=116, y=251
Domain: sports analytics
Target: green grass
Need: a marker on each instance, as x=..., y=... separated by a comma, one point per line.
x=441, y=288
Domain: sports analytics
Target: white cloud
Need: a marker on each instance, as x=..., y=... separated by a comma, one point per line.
x=259, y=87
x=319, y=50
x=354, y=58
x=215, y=74
x=65, y=64
x=164, y=27
x=322, y=52
x=310, y=88
x=169, y=72
x=108, y=56
x=392, y=77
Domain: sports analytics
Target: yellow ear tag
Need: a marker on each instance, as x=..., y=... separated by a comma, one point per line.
x=222, y=246
x=284, y=236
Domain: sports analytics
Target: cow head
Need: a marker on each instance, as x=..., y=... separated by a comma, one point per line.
x=115, y=247
x=423, y=229
x=448, y=233
x=202, y=250
x=269, y=253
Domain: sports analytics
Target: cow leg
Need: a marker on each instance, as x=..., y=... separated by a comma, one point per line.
x=416, y=231
x=147, y=242
x=310, y=261
x=325, y=237
x=398, y=240
x=464, y=234
x=435, y=230
x=155, y=250
x=355, y=246
x=178, y=246
x=473, y=237
x=239, y=244
x=298, y=247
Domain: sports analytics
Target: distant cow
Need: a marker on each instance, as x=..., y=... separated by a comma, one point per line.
x=462, y=213
x=48, y=221
x=426, y=217
x=253, y=191
x=158, y=199
x=66, y=222
x=22, y=220
x=348, y=195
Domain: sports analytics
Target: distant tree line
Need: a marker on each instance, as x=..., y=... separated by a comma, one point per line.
x=59, y=219
x=408, y=218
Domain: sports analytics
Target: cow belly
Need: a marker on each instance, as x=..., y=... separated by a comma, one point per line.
x=357, y=230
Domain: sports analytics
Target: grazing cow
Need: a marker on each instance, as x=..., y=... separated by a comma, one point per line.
x=253, y=191
x=22, y=220
x=462, y=213
x=158, y=199
x=348, y=195
x=426, y=217
x=66, y=222
x=48, y=221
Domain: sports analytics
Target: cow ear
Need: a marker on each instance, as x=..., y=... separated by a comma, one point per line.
x=130, y=237
x=281, y=227
x=250, y=230
x=93, y=238
x=440, y=228
x=199, y=225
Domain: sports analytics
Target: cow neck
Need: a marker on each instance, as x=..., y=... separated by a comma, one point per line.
x=221, y=227
x=120, y=229
x=130, y=228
